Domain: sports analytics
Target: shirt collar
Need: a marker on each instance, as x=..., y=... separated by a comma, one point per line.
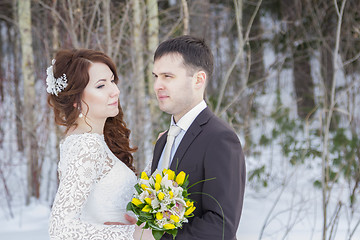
x=185, y=122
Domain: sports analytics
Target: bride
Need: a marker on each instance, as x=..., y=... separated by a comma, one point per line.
x=96, y=169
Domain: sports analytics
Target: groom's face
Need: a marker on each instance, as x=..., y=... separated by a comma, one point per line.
x=174, y=85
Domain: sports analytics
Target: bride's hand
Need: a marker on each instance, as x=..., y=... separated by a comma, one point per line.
x=131, y=221
x=142, y=234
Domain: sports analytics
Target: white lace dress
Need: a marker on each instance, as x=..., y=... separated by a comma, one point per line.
x=95, y=187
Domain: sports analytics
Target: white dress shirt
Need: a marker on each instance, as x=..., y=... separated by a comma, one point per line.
x=184, y=123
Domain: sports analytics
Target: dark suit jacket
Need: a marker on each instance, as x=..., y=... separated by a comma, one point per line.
x=210, y=148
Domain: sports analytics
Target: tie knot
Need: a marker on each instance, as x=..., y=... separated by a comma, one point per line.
x=174, y=131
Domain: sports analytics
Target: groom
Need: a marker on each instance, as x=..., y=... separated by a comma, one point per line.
x=198, y=142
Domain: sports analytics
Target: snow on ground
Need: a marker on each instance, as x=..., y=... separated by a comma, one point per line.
x=30, y=223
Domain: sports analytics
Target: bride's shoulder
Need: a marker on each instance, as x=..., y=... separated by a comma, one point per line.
x=83, y=139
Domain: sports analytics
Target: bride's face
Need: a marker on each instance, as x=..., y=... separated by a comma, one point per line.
x=101, y=94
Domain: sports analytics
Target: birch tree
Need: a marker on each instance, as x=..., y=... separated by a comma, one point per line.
x=139, y=79
x=27, y=67
x=152, y=43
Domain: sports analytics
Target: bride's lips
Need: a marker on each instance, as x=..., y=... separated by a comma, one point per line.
x=114, y=103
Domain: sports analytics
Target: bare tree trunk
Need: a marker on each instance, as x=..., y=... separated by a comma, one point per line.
x=153, y=42
x=24, y=15
x=304, y=86
x=328, y=27
x=2, y=75
x=139, y=113
x=55, y=29
x=18, y=102
x=328, y=115
x=242, y=56
x=185, y=11
x=107, y=25
x=293, y=12
x=257, y=68
x=55, y=158
x=15, y=49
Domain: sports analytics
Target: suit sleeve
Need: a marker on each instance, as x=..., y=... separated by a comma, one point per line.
x=224, y=160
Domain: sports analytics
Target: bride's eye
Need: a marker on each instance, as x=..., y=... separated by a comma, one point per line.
x=100, y=86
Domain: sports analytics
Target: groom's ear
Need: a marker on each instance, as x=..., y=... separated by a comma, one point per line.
x=200, y=79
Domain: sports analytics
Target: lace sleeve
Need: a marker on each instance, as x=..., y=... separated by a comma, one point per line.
x=82, y=164
x=147, y=168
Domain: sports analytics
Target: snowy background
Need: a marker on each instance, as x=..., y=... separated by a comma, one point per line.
x=288, y=208
x=280, y=204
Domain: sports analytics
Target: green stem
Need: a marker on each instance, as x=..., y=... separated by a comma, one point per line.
x=222, y=212
x=202, y=181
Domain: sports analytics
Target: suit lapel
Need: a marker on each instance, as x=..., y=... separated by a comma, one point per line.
x=159, y=146
x=190, y=135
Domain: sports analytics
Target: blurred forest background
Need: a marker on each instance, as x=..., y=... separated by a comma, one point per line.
x=286, y=78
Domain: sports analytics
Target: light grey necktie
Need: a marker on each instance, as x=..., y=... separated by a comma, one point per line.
x=173, y=132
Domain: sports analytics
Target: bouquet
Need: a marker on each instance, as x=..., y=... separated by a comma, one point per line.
x=161, y=202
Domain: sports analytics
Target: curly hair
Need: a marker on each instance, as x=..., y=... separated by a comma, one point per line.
x=75, y=64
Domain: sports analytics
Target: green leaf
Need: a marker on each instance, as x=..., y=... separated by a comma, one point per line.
x=186, y=182
x=264, y=141
x=138, y=188
x=146, y=216
x=173, y=232
x=157, y=234
x=155, y=227
x=317, y=184
x=129, y=206
x=257, y=173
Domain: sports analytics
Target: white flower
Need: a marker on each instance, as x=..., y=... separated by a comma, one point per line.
x=166, y=182
x=55, y=85
x=155, y=203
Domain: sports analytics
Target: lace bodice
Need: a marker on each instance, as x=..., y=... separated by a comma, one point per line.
x=94, y=188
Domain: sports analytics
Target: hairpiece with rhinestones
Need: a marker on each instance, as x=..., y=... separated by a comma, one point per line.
x=55, y=85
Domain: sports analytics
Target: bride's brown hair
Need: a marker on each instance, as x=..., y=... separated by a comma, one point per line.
x=75, y=64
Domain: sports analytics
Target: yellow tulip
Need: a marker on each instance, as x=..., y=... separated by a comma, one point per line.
x=144, y=187
x=189, y=203
x=136, y=201
x=171, y=174
x=189, y=211
x=147, y=208
x=174, y=218
x=157, y=186
x=164, y=171
x=158, y=178
x=180, y=178
x=144, y=176
x=159, y=215
x=171, y=194
x=169, y=226
x=161, y=196
x=148, y=200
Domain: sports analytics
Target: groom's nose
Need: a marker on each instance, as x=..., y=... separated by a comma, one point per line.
x=158, y=85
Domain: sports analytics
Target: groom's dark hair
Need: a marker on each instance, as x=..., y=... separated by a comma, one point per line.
x=195, y=52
